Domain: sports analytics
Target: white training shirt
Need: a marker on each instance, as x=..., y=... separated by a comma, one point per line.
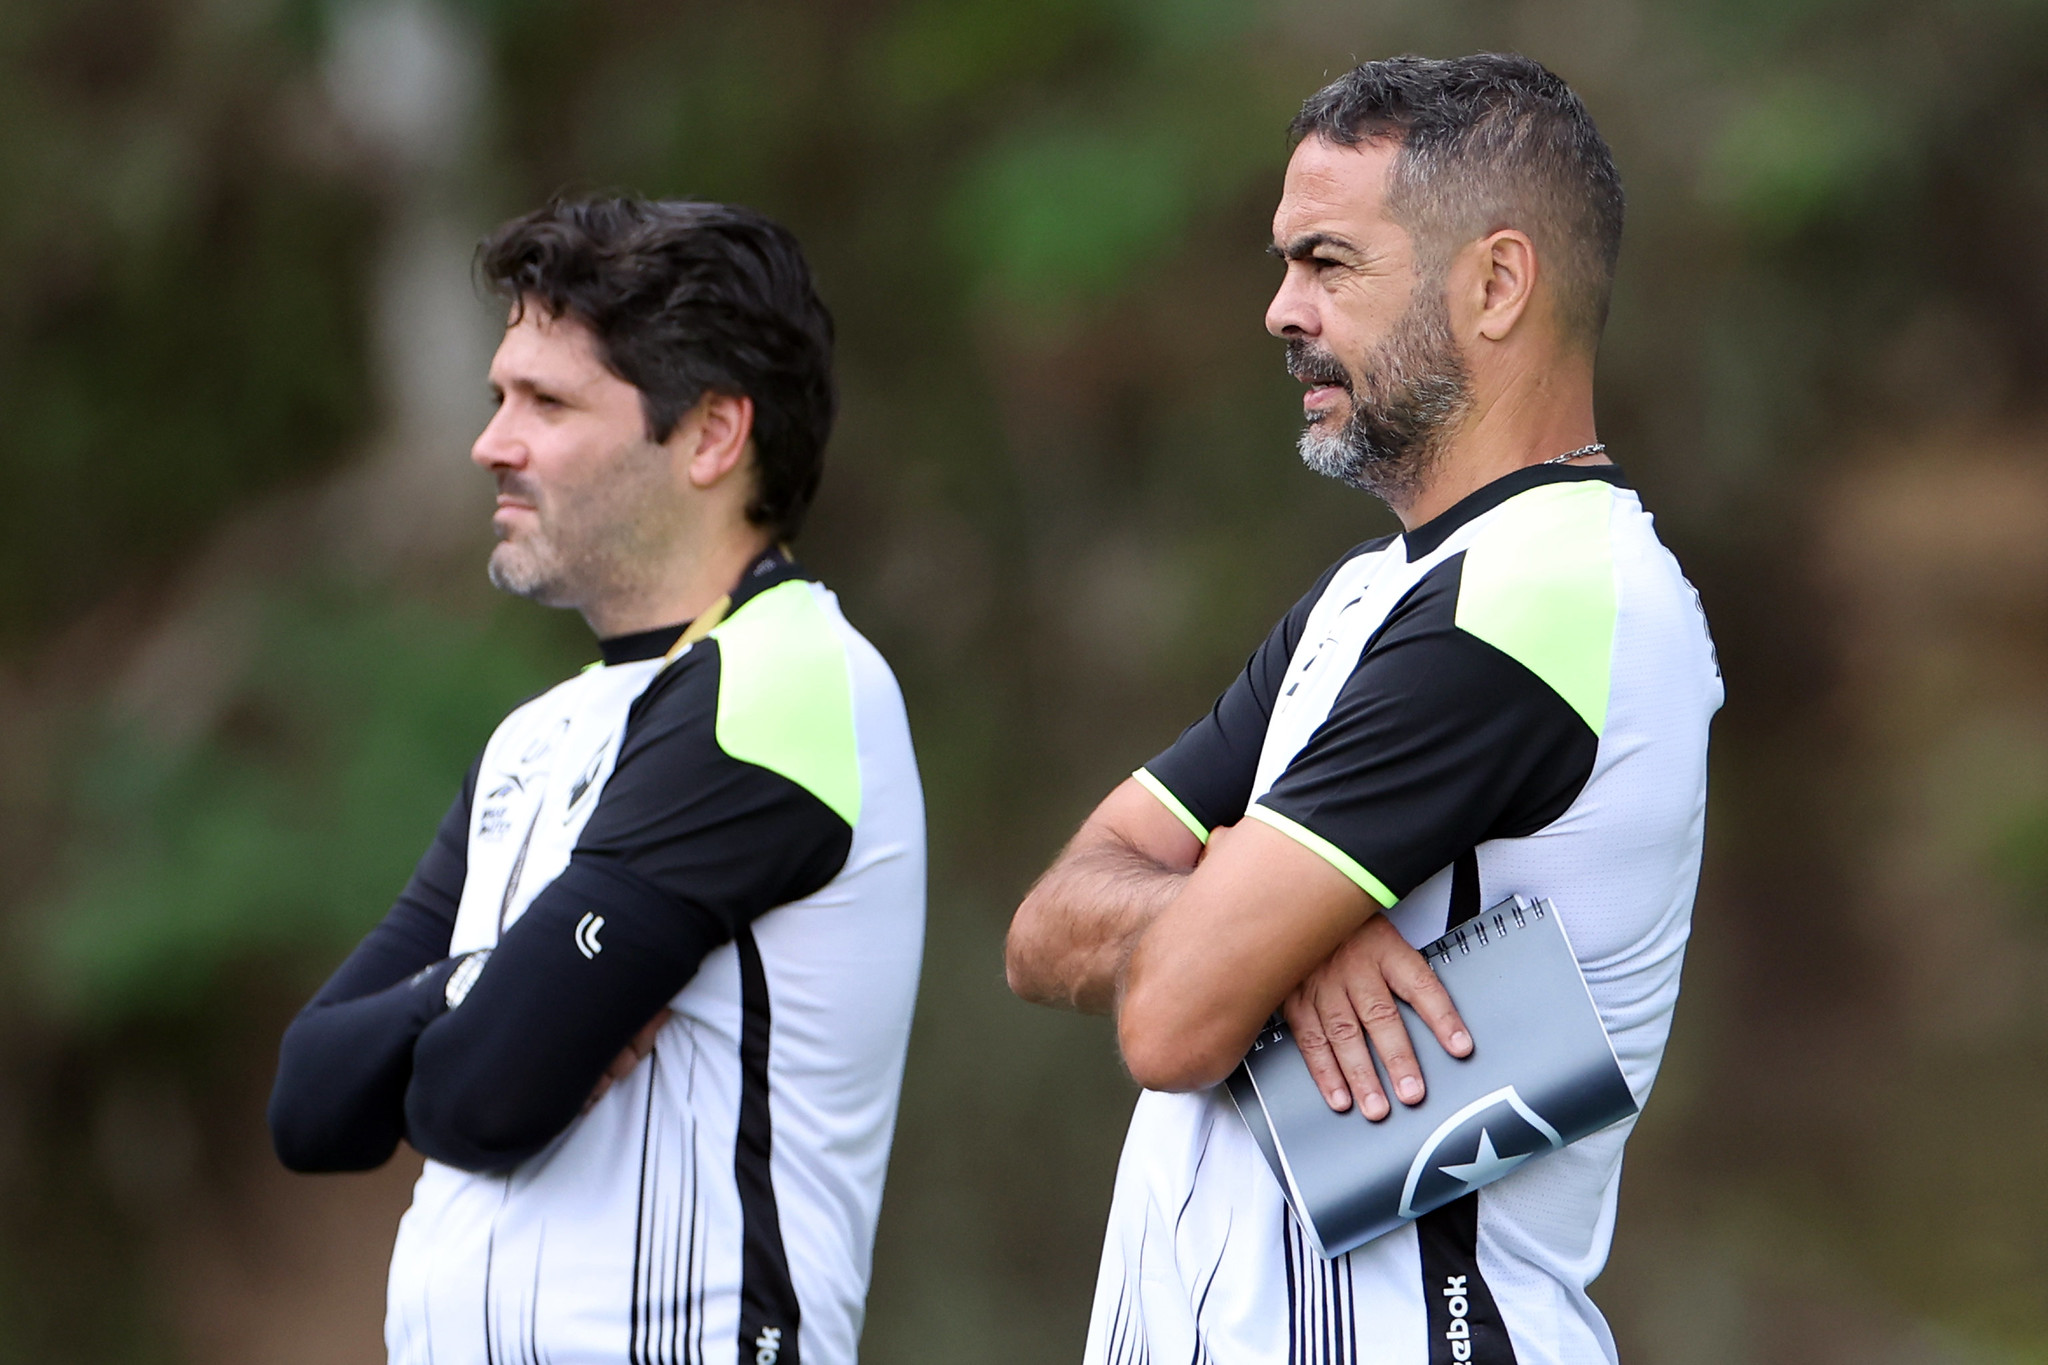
x=1513, y=698
x=719, y=1203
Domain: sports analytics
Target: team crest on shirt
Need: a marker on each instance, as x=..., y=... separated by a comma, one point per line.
x=1479, y=1144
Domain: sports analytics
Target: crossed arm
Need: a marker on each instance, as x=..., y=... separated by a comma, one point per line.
x=379, y=1056
x=1192, y=948
x=685, y=848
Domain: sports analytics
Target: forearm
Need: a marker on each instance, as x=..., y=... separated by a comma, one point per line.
x=1075, y=931
x=1257, y=918
x=338, y=1104
x=496, y=1079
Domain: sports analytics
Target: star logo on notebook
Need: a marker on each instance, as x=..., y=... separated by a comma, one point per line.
x=1476, y=1146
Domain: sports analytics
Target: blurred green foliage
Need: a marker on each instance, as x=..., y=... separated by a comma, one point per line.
x=1804, y=152
x=279, y=831
x=181, y=296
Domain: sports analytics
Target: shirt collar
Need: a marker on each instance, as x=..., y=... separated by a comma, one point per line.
x=775, y=565
x=1426, y=538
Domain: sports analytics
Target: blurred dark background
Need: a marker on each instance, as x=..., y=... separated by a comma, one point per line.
x=247, y=648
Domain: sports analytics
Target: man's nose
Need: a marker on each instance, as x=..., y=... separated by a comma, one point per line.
x=495, y=446
x=1291, y=313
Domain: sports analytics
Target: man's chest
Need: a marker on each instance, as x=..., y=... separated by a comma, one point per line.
x=541, y=778
x=1343, y=622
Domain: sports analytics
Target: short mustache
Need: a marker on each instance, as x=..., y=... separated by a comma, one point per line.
x=1311, y=364
x=513, y=486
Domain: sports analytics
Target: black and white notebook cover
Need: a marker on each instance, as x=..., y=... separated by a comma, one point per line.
x=1542, y=1074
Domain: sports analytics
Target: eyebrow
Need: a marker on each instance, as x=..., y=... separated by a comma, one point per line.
x=1301, y=248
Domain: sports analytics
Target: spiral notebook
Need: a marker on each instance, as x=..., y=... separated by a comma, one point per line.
x=1542, y=1074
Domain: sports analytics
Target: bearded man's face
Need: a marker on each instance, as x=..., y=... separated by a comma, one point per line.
x=1366, y=321
x=1403, y=399
x=585, y=499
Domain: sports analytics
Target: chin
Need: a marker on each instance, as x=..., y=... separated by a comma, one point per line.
x=514, y=572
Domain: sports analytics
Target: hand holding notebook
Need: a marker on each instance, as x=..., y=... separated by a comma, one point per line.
x=1541, y=1074
x=1344, y=1020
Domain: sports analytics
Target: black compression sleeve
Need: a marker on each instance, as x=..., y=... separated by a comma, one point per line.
x=497, y=1079
x=342, y=1072
x=343, y=1066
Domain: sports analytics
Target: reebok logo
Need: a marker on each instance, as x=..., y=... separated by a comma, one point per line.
x=768, y=1346
x=1459, y=1333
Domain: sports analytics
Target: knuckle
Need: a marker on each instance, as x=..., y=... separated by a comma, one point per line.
x=1379, y=1012
x=1411, y=971
x=1341, y=1030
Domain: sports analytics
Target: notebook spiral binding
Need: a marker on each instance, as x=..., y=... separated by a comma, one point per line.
x=1481, y=929
x=1476, y=932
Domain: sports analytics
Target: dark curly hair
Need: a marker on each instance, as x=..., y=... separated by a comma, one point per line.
x=689, y=298
x=1488, y=141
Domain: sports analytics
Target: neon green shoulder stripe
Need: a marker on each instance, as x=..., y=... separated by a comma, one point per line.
x=1172, y=803
x=1538, y=585
x=1327, y=851
x=785, y=700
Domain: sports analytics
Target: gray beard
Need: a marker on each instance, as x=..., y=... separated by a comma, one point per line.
x=523, y=574
x=1413, y=393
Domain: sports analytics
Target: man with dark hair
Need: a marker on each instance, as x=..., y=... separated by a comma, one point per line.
x=644, y=1003
x=1512, y=696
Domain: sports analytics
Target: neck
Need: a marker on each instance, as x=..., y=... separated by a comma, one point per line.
x=685, y=589
x=1533, y=418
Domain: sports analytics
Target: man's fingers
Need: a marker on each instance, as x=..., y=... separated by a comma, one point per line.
x=1414, y=982
x=1347, y=1040
x=1383, y=1024
x=1315, y=1050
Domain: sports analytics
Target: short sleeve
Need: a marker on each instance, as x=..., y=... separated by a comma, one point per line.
x=1439, y=741
x=1205, y=777
x=712, y=831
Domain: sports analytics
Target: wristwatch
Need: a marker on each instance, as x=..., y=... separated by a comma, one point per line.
x=464, y=976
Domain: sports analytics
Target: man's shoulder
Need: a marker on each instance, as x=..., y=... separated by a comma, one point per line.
x=1536, y=580
x=788, y=666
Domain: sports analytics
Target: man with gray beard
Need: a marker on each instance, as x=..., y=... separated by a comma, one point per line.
x=1511, y=697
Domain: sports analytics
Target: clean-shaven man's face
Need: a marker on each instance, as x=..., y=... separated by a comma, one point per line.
x=585, y=500
x=1366, y=324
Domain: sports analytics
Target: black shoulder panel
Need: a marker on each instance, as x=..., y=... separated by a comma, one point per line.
x=1211, y=767
x=1437, y=742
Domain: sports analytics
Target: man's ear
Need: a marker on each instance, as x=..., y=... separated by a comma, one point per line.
x=714, y=438
x=1502, y=281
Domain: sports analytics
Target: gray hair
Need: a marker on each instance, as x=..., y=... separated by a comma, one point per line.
x=1489, y=141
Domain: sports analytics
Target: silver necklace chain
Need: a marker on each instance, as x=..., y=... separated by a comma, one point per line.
x=1597, y=448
